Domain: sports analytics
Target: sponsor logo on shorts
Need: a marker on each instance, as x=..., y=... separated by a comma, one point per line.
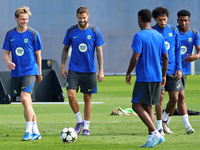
x=67, y=84
x=12, y=40
x=15, y=92
x=178, y=86
x=90, y=90
x=75, y=37
x=23, y=87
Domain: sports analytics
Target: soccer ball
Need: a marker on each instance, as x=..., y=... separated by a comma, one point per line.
x=68, y=135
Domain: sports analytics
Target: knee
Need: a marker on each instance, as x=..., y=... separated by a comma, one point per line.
x=181, y=96
x=24, y=101
x=71, y=96
x=87, y=97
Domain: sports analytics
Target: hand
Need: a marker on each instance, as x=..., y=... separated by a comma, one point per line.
x=63, y=72
x=10, y=65
x=128, y=79
x=100, y=76
x=178, y=74
x=190, y=58
x=163, y=81
x=39, y=78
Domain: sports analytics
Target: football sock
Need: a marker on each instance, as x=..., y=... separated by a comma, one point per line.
x=78, y=117
x=164, y=116
x=168, y=119
x=29, y=127
x=185, y=120
x=35, y=128
x=159, y=124
x=156, y=134
x=149, y=138
x=86, y=124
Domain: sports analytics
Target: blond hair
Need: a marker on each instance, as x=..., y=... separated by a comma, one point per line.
x=23, y=9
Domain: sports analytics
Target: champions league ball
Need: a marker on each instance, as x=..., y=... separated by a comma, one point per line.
x=68, y=135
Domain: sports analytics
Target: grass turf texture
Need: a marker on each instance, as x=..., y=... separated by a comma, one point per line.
x=107, y=132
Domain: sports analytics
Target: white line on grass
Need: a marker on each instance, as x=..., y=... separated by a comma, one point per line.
x=56, y=103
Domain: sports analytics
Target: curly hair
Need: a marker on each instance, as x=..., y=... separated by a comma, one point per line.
x=159, y=11
x=183, y=13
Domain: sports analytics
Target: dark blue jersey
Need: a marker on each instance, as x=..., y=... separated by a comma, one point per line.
x=188, y=40
x=151, y=46
x=83, y=43
x=172, y=42
x=23, y=47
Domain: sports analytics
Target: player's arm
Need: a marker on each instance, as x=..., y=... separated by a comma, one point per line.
x=132, y=64
x=39, y=62
x=193, y=57
x=164, y=70
x=9, y=64
x=100, y=76
x=178, y=73
x=63, y=61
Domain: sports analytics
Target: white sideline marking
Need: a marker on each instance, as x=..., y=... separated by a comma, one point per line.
x=56, y=103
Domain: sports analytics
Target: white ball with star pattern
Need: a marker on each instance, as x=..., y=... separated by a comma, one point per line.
x=68, y=135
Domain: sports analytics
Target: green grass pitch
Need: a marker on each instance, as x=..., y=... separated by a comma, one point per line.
x=107, y=132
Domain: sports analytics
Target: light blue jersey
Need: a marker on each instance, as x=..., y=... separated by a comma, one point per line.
x=188, y=40
x=83, y=43
x=23, y=47
x=172, y=42
x=151, y=46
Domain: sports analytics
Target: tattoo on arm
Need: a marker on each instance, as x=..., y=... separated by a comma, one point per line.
x=64, y=54
x=100, y=57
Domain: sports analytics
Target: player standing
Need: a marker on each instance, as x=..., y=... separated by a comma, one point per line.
x=189, y=37
x=149, y=47
x=174, y=70
x=25, y=45
x=84, y=38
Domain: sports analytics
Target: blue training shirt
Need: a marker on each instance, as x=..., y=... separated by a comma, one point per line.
x=172, y=42
x=83, y=43
x=188, y=40
x=23, y=47
x=151, y=46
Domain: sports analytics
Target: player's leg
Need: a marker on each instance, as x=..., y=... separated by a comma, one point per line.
x=173, y=98
x=146, y=94
x=29, y=114
x=173, y=87
x=182, y=107
x=88, y=83
x=72, y=87
x=159, y=110
x=87, y=113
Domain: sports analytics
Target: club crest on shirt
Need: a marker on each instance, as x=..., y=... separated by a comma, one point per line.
x=25, y=40
x=82, y=47
x=89, y=37
x=189, y=39
x=167, y=45
x=170, y=34
x=183, y=49
x=19, y=51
